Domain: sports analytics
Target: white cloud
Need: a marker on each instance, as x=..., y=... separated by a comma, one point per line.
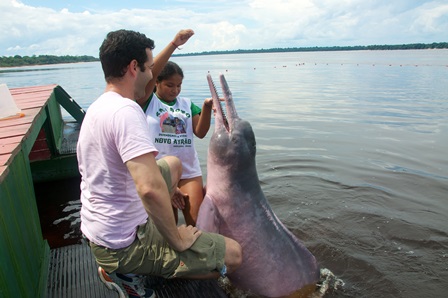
x=431, y=19
x=223, y=25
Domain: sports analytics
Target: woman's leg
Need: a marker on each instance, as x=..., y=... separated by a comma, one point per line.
x=175, y=170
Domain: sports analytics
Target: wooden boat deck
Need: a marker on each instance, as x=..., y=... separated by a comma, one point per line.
x=15, y=131
x=41, y=133
x=73, y=274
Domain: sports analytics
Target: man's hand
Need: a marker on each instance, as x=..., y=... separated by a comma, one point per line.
x=182, y=37
x=188, y=235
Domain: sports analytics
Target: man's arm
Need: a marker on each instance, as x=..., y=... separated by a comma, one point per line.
x=153, y=192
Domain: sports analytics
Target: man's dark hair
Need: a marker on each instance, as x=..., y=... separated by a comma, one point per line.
x=119, y=48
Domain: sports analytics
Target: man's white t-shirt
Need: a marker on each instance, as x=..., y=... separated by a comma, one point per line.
x=113, y=132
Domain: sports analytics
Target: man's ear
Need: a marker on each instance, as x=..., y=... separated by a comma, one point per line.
x=133, y=65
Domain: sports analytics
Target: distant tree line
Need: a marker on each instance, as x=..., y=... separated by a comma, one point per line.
x=42, y=59
x=50, y=59
x=413, y=46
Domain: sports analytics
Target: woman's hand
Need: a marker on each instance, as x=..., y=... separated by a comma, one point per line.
x=182, y=37
x=208, y=102
x=178, y=199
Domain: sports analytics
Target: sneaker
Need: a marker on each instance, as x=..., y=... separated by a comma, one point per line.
x=127, y=287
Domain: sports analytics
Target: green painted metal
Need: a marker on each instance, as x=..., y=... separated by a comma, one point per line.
x=69, y=104
x=54, y=124
x=60, y=166
x=24, y=254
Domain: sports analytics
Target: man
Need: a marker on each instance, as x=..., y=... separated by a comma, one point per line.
x=126, y=212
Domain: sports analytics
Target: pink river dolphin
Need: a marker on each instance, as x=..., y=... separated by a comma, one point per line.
x=275, y=262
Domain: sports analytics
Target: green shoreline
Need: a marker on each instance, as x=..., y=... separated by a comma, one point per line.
x=413, y=46
x=17, y=60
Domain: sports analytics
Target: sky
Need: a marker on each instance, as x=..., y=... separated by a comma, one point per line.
x=78, y=27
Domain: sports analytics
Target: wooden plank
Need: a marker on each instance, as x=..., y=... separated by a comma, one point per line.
x=32, y=97
x=4, y=158
x=31, y=104
x=40, y=144
x=36, y=155
x=12, y=131
x=32, y=89
x=11, y=140
x=7, y=148
x=30, y=114
x=40, y=150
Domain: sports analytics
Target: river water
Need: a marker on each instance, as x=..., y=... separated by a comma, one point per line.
x=351, y=154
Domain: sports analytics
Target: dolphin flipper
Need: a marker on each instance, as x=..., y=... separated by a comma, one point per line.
x=208, y=219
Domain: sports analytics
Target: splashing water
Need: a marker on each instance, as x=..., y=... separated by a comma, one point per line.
x=328, y=283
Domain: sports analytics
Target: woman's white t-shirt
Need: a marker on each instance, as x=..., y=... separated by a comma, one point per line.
x=171, y=130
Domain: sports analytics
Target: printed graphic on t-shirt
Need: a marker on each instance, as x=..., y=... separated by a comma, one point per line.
x=173, y=128
x=172, y=124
